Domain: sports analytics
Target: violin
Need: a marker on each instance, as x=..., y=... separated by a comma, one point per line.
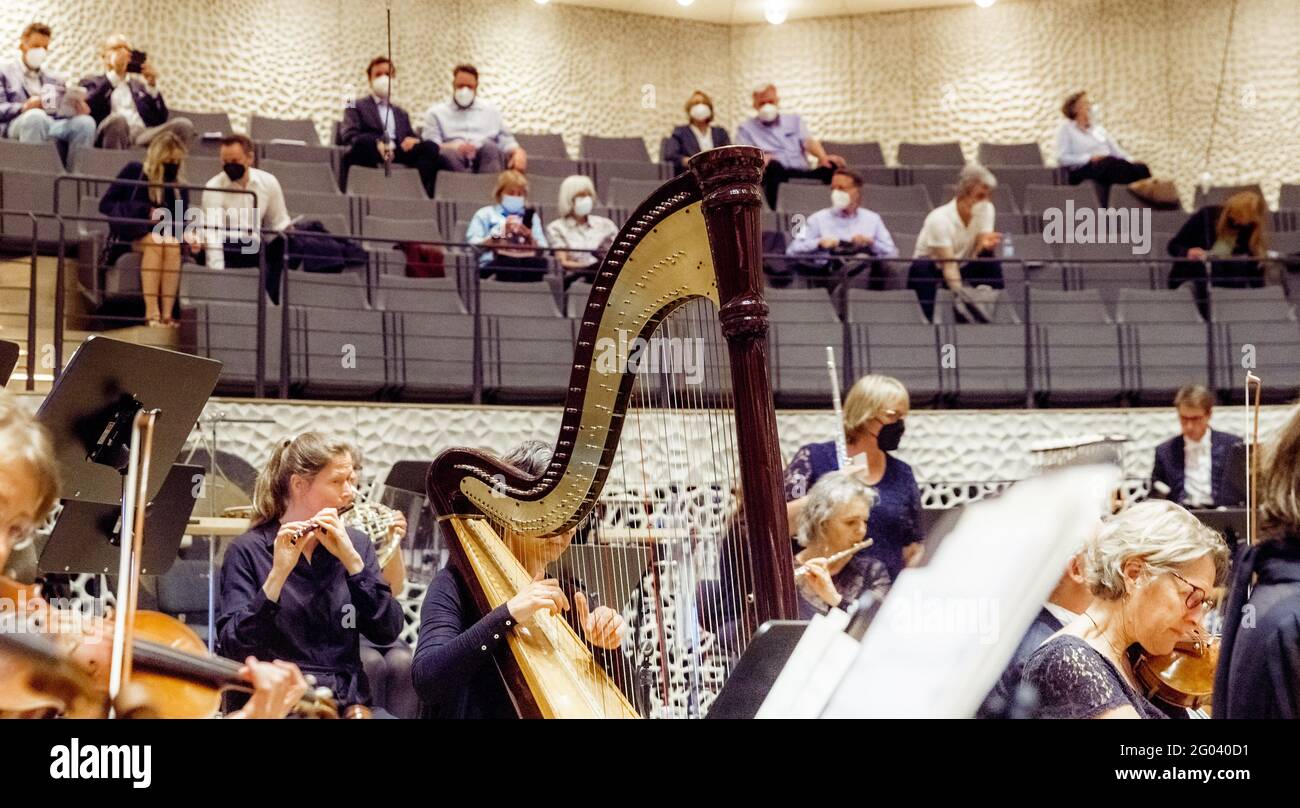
x=1184, y=677
x=35, y=678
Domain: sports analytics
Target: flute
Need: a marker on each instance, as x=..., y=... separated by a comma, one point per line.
x=845, y=553
x=312, y=527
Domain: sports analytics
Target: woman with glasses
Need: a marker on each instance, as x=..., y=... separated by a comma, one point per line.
x=874, y=411
x=1151, y=570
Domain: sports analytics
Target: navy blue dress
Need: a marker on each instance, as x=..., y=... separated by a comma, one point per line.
x=895, y=520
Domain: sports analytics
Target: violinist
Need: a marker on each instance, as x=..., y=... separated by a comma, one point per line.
x=299, y=586
x=1258, y=675
x=1151, y=569
x=29, y=478
x=455, y=670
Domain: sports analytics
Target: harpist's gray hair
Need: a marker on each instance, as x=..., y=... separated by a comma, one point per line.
x=827, y=495
x=1160, y=533
x=531, y=457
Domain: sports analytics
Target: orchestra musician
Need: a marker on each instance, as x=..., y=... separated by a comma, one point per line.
x=1258, y=675
x=299, y=586
x=455, y=670
x=1151, y=569
x=874, y=411
x=832, y=521
x=1190, y=468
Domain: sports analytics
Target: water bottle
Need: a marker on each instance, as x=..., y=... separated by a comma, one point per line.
x=1008, y=246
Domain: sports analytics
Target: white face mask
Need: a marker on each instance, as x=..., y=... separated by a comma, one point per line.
x=382, y=85
x=35, y=57
x=840, y=199
x=582, y=206
x=768, y=112
x=701, y=112
x=464, y=96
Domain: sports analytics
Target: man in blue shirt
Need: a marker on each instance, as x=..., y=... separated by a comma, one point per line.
x=845, y=231
x=470, y=133
x=786, y=144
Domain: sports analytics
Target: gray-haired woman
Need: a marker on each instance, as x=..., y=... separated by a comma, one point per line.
x=832, y=521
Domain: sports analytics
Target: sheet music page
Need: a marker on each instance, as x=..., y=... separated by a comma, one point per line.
x=947, y=630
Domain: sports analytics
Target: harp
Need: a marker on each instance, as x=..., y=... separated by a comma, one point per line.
x=686, y=266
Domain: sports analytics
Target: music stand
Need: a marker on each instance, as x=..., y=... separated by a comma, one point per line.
x=618, y=570
x=89, y=412
x=87, y=536
x=408, y=475
x=8, y=360
x=1231, y=522
x=748, y=685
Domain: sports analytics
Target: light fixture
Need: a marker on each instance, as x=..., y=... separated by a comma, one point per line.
x=985, y=3
x=776, y=11
x=685, y=3
x=541, y=2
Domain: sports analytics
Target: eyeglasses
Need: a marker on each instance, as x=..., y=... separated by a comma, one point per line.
x=1197, y=598
x=18, y=537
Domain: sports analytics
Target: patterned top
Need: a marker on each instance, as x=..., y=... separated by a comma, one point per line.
x=861, y=575
x=1074, y=680
x=895, y=519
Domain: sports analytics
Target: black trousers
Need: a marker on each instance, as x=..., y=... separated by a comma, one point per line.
x=775, y=174
x=515, y=270
x=423, y=157
x=925, y=276
x=1110, y=171
x=1223, y=274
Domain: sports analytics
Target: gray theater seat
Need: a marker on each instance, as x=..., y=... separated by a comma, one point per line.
x=1004, y=308
x=528, y=358
x=1275, y=348
x=930, y=154
x=897, y=199
x=1059, y=307
x=41, y=158
x=798, y=360
x=312, y=206
x=27, y=191
x=599, y=148
x=792, y=306
x=294, y=130
x=606, y=171
x=227, y=331
x=804, y=199
x=548, y=145
x=431, y=357
x=907, y=351
x=1077, y=362
x=552, y=166
x=1266, y=304
x=103, y=162
x=387, y=256
x=403, y=184
x=313, y=178
x=456, y=186
x=1039, y=198
x=183, y=593
x=1109, y=268
x=884, y=307
x=1157, y=306
x=337, y=343
x=1010, y=154
x=297, y=153
x=1161, y=357
x=989, y=364
x=856, y=154
x=629, y=193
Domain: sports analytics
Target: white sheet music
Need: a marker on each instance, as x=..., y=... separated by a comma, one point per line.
x=947, y=630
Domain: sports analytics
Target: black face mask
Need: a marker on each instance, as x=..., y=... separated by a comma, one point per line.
x=171, y=171
x=234, y=170
x=890, y=435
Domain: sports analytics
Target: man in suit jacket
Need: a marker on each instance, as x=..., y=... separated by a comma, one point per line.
x=1190, y=469
x=29, y=95
x=377, y=130
x=1068, y=600
x=698, y=135
x=126, y=105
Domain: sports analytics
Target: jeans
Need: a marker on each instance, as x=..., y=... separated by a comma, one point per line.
x=36, y=126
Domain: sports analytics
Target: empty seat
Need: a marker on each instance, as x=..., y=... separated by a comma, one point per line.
x=1266, y=304
x=988, y=364
x=1017, y=178
x=408, y=209
x=1157, y=306
x=552, y=166
x=207, y=125
x=528, y=358
x=315, y=178
x=801, y=306
x=430, y=357
x=418, y=295
x=1161, y=357
x=27, y=191
x=1218, y=194
x=858, y=155
x=1004, y=310
x=1059, y=307
x=1077, y=363
x=1274, y=346
x=595, y=147
x=908, y=351
x=901, y=222
x=311, y=205
x=201, y=167
x=400, y=184
x=337, y=343
x=183, y=593
x=629, y=193
x=227, y=331
x=42, y=158
x=387, y=255
x=299, y=153
x=1109, y=268
x=457, y=186
x=292, y=130
x=1289, y=197
x=930, y=154
x=505, y=299
x=896, y=199
x=798, y=359
x=548, y=145
x=883, y=307
x=1039, y=198
x=103, y=162
x=1010, y=154
x=543, y=190
x=802, y=198
x=230, y=285
x=607, y=170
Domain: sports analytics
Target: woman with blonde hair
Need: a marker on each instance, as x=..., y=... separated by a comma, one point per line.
x=150, y=219
x=299, y=586
x=1233, y=237
x=1258, y=675
x=697, y=135
x=581, y=236
x=874, y=411
x=509, y=232
x=1152, y=570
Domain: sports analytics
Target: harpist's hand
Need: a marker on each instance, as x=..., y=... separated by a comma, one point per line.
x=604, y=627
x=540, y=594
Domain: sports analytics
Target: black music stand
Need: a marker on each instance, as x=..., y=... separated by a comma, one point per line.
x=408, y=475
x=752, y=679
x=8, y=360
x=87, y=536
x=92, y=406
x=618, y=570
x=1231, y=522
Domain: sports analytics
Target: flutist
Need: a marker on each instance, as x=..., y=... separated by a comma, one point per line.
x=832, y=531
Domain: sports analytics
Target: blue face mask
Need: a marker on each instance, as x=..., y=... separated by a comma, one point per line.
x=513, y=204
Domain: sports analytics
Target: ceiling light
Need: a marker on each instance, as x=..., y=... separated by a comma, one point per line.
x=776, y=11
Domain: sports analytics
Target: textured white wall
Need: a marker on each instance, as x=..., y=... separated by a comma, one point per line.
x=939, y=74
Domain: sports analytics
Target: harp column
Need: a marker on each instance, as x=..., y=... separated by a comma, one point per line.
x=729, y=180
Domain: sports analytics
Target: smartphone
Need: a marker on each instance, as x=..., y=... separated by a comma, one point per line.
x=137, y=61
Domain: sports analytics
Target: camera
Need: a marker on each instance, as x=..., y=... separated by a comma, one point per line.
x=137, y=61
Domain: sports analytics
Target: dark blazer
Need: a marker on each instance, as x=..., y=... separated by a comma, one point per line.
x=124, y=201
x=1000, y=702
x=99, y=96
x=361, y=121
x=1169, y=469
x=682, y=144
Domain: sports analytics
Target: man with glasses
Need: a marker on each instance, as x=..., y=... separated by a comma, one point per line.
x=1190, y=468
x=29, y=480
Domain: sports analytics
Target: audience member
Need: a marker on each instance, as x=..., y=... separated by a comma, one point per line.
x=376, y=131
x=37, y=106
x=1232, y=238
x=508, y=233
x=233, y=222
x=1087, y=150
x=698, y=135
x=786, y=144
x=580, y=236
x=952, y=245
x=125, y=101
x=844, y=232
x=469, y=133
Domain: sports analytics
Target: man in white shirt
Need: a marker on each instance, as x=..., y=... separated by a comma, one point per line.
x=233, y=221
x=1189, y=469
x=125, y=101
x=470, y=133
x=955, y=243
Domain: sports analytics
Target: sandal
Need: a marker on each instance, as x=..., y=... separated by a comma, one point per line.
x=155, y=323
